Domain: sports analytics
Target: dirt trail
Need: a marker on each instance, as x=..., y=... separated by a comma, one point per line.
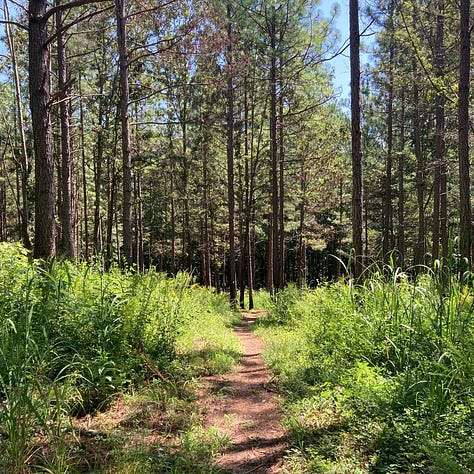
x=243, y=405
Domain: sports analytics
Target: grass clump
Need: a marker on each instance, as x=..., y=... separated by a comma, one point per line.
x=378, y=376
x=73, y=337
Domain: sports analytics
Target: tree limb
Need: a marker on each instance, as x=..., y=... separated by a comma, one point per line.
x=66, y=6
x=14, y=23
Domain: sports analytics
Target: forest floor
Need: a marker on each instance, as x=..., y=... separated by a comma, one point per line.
x=244, y=406
x=241, y=409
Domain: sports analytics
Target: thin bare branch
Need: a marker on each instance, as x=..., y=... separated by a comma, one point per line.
x=66, y=6
x=14, y=23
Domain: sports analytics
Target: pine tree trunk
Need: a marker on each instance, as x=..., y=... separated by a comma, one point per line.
x=357, y=198
x=401, y=188
x=111, y=213
x=440, y=224
x=3, y=199
x=40, y=95
x=120, y=9
x=206, y=247
x=281, y=177
x=140, y=259
x=301, y=238
x=187, y=250
x=230, y=162
x=465, y=230
x=67, y=207
x=98, y=160
x=274, y=168
x=420, y=247
x=388, y=210
x=249, y=192
x=85, y=199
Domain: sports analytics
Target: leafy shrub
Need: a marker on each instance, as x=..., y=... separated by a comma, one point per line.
x=388, y=365
x=71, y=336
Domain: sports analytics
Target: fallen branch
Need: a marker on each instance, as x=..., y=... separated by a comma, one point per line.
x=150, y=364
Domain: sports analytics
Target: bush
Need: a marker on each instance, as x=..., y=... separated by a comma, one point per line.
x=386, y=368
x=72, y=336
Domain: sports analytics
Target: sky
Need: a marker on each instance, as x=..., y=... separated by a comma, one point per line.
x=341, y=63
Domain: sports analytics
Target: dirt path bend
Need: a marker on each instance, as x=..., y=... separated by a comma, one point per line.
x=244, y=405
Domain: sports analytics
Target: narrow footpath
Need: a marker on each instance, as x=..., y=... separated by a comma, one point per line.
x=244, y=405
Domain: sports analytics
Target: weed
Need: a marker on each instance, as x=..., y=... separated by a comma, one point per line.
x=378, y=375
x=72, y=337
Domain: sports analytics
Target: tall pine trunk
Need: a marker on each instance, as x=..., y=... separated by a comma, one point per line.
x=440, y=224
x=274, y=168
x=465, y=230
x=230, y=161
x=206, y=244
x=401, y=188
x=127, y=191
x=387, y=246
x=85, y=199
x=67, y=207
x=420, y=247
x=40, y=96
x=356, y=130
x=281, y=178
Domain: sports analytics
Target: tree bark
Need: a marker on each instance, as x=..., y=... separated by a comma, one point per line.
x=440, y=225
x=281, y=177
x=98, y=161
x=401, y=188
x=465, y=228
x=230, y=161
x=249, y=192
x=206, y=246
x=127, y=248
x=67, y=207
x=356, y=130
x=302, y=270
x=3, y=198
x=85, y=199
x=388, y=209
x=274, y=168
x=40, y=96
x=173, y=208
x=140, y=258
x=420, y=247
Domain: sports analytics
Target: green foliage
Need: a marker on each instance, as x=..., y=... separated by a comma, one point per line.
x=71, y=337
x=378, y=376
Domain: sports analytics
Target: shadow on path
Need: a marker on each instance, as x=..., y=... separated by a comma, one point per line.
x=240, y=406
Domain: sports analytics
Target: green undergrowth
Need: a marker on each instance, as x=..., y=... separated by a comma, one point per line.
x=75, y=339
x=378, y=377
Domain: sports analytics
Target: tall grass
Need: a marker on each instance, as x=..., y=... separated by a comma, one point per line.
x=380, y=374
x=71, y=337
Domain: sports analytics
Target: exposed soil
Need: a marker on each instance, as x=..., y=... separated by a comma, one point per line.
x=244, y=405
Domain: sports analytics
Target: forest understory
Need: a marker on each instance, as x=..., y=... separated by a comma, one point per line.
x=158, y=157
x=111, y=372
